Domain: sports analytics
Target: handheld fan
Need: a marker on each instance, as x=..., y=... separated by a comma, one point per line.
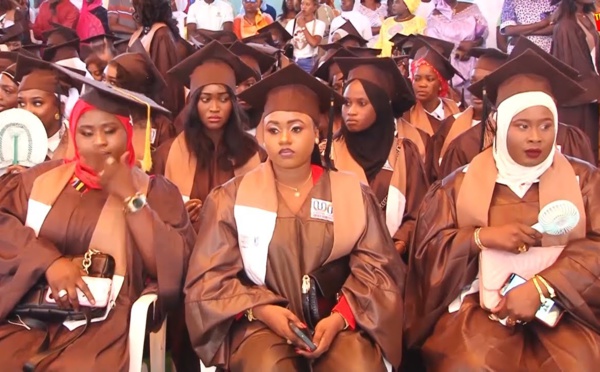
x=23, y=139
x=557, y=218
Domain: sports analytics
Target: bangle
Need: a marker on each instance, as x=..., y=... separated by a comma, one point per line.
x=539, y=289
x=551, y=290
x=477, y=239
x=346, y=325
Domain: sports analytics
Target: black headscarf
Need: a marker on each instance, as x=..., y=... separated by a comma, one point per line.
x=371, y=147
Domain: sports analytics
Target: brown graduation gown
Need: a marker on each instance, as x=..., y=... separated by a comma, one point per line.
x=572, y=141
x=571, y=47
x=216, y=293
x=163, y=51
x=442, y=263
x=418, y=117
x=67, y=230
x=205, y=179
x=164, y=130
x=416, y=185
x=449, y=127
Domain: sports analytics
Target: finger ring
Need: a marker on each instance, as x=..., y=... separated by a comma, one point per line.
x=62, y=293
x=523, y=248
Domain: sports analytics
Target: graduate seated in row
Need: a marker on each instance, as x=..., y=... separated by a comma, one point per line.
x=476, y=228
x=265, y=232
x=98, y=204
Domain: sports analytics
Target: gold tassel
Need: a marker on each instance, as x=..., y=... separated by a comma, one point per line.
x=146, y=163
x=147, y=160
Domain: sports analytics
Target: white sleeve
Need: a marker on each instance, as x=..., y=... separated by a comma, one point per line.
x=289, y=27
x=319, y=28
x=366, y=31
x=335, y=24
x=191, y=15
x=227, y=13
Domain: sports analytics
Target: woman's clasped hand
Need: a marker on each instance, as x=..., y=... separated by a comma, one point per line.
x=278, y=320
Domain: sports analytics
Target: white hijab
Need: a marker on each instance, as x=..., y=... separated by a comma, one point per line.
x=517, y=177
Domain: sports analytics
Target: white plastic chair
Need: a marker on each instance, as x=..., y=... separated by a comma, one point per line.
x=137, y=336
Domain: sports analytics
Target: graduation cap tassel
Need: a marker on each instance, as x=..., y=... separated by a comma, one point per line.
x=146, y=163
x=484, y=118
x=329, y=144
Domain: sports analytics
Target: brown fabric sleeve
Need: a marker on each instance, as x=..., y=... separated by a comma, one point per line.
x=461, y=151
x=416, y=188
x=171, y=237
x=164, y=130
x=159, y=157
x=441, y=261
x=570, y=47
x=374, y=289
x=576, y=274
x=434, y=150
x=215, y=293
x=574, y=142
x=164, y=54
x=23, y=257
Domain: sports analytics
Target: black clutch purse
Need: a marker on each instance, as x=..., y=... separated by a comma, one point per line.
x=35, y=306
x=321, y=290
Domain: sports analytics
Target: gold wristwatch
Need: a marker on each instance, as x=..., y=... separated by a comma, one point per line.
x=135, y=203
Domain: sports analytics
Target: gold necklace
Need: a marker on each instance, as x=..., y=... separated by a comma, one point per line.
x=296, y=189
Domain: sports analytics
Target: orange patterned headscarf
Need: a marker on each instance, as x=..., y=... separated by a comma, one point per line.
x=443, y=83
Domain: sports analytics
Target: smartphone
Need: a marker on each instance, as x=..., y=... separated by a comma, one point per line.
x=304, y=335
x=100, y=288
x=549, y=312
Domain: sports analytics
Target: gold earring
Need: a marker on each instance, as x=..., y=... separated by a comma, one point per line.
x=56, y=116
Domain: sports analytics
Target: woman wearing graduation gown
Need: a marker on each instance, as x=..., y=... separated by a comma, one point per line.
x=42, y=91
x=135, y=71
x=243, y=284
x=261, y=63
x=453, y=126
x=158, y=33
x=570, y=140
x=80, y=205
x=8, y=85
x=213, y=147
x=576, y=43
x=490, y=207
x=430, y=72
x=375, y=94
x=329, y=72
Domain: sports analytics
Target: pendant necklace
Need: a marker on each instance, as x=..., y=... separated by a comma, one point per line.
x=296, y=189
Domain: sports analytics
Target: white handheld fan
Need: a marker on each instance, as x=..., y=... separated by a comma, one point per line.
x=23, y=139
x=557, y=218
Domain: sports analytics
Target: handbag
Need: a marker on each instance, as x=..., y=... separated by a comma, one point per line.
x=34, y=311
x=35, y=304
x=496, y=266
x=321, y=290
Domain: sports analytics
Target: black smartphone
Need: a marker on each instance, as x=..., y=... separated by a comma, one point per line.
x=304, y=335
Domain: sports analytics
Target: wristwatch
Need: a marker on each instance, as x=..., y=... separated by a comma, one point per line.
x=135, y=203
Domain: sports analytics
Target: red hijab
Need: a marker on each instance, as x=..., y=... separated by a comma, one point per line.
x=82, y=171
x=443, y=83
